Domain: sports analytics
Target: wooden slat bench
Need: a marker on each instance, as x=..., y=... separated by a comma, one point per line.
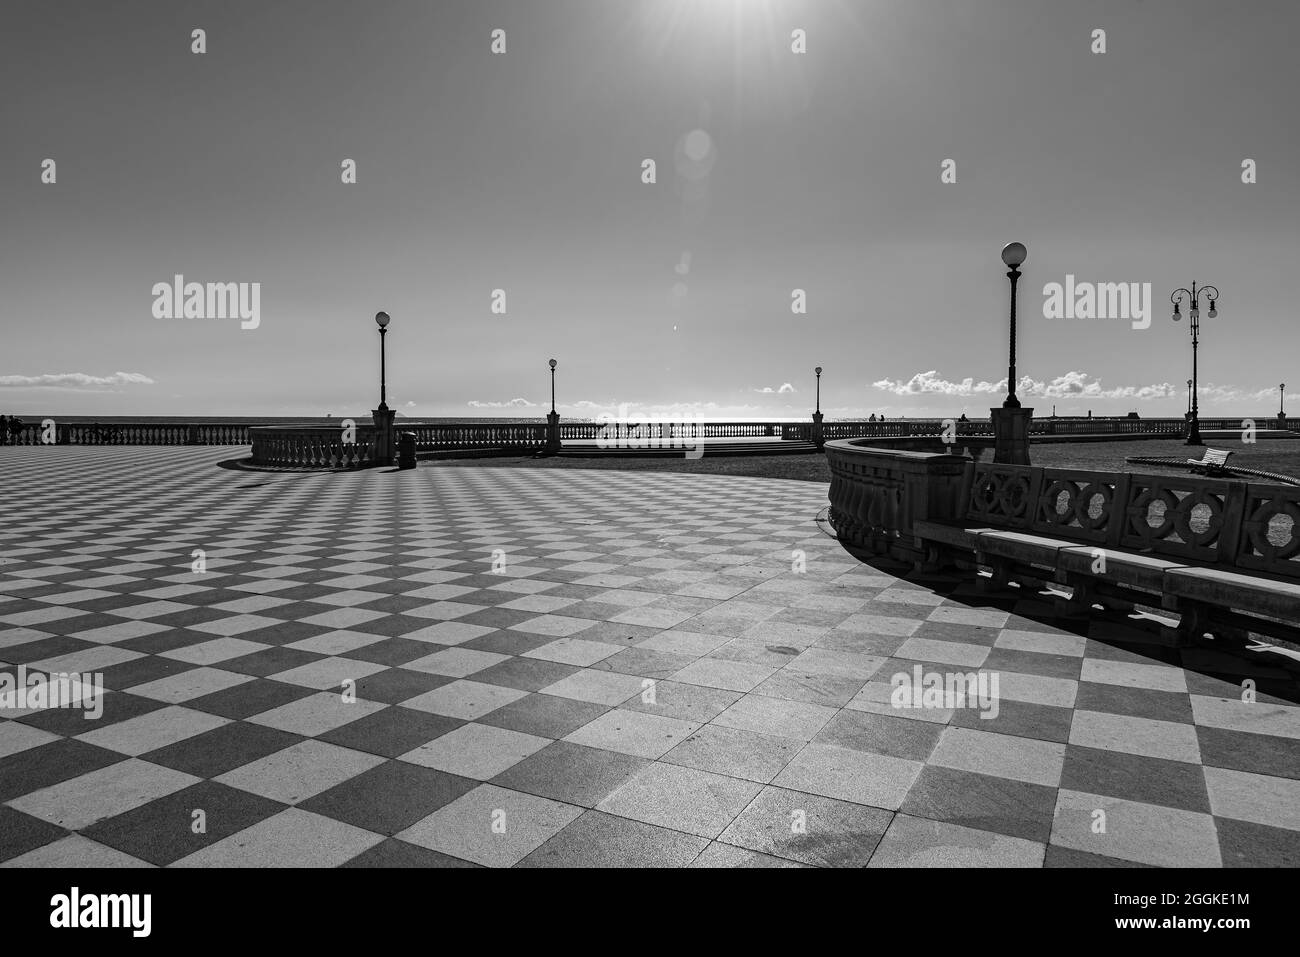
x=1224, y=555
x=1211, y=462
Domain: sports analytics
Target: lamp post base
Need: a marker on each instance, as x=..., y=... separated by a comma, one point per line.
x=818, y=435
x=1011, y=435
x=383, y=441
x=1193, y=432
x=552, y=433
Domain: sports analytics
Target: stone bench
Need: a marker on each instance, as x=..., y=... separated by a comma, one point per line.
x=1221, y=554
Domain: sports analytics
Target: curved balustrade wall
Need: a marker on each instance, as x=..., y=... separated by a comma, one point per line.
x=312, y=447
x=876, y=495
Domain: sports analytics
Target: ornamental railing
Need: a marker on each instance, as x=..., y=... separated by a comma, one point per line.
x=313, y=447
x=54, y=432
x=876, y=495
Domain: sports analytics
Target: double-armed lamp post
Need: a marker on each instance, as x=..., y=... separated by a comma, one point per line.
x=1194, y=327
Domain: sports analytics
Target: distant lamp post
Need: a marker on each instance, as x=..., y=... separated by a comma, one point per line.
x=1189, y=399
x=818, y=434
x=553, y=418
x=382, y=319
x=383, y=416
x=1011, y=422
x=1281, y=401
x=1013, y=254
x=1194, y=327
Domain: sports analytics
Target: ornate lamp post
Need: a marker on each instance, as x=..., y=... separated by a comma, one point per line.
x=383, y=416
x=1281, y=401
x=1194, y=326
x=382, y=319
x=1011, y=422
x=1189, y=400
x=553, y=418
x=818, y=436
x=1013, y=254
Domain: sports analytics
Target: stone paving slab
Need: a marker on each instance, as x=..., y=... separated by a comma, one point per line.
x=465, y=666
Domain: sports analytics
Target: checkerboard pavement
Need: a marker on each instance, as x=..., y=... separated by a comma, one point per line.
x=644, y=678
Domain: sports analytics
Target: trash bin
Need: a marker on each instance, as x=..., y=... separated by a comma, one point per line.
x=406, y=450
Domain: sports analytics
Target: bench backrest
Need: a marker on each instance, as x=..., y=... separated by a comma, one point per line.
x=1195, y=518
x=1215, y=457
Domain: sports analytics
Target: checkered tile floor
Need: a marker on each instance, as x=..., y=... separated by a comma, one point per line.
x=644, y=679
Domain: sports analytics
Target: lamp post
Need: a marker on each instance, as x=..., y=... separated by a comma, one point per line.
x=1194, y=327
x=1013, y=254
x=1189, y=400
x=553, y=418
x=383, y=416
x=1011, y=422
x=1281, y=401
x=382, y=320
x=818, y=435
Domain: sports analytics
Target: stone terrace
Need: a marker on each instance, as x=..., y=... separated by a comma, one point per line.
x=504, y=718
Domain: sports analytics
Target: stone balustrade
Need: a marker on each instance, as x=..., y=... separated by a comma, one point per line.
x=312, y=447
x=132, y=433
x=877, y=495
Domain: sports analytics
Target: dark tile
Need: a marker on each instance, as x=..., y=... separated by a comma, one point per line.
x=163, y=830
x=140, y=671
x=1135, y=778
x=250, y=698
x=392, y=853
x=390, y=651
x=571, y=773
x=1244, y=751
x=525, y=674
x=20, y=833
x=881, y=734
x=398, y=684
x=269, y=661
x=51, y=764
x=1246, y=844
x=833, y=834
x=44, y=648
x=643, y=662
x=596, y=839
x=286, y=633
x=982, y=801
x=169, y=640
x=1068, y=857
x=390, y=797
x=503, y=642
x=497, y=617
x=1135, y=702
x=1033, y=663
x=118, y=706
x=392, y=731
x=222, y=749
x=1020, y=718
x=548, y=716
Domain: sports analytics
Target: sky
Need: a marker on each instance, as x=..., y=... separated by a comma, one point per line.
x=522, y=171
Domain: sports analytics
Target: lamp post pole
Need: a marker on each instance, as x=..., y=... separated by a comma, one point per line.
x=383, y=416
x=818, y=435
x=1011, y=422
x=552, y=419
x=1194, y=326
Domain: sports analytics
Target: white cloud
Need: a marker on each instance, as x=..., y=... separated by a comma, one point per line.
x=1067, y=386
x=73, y=380
x=512, y=404
x=786, y=387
